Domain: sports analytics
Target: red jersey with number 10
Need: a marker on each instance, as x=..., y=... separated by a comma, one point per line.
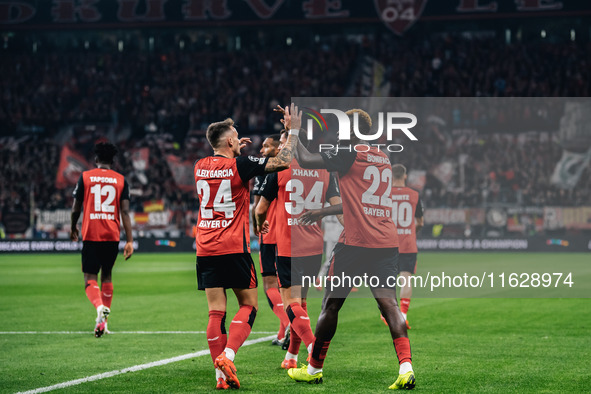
x=404, y=207
x=101, y=191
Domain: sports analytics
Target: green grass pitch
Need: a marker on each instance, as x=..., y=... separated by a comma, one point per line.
x=465, y=345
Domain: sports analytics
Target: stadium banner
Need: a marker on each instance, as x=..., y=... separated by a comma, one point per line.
x=150, y=219
x=417, y=179
x=48, y=246
x=182, y=172
x=525, y=219
x=570, y=218
x=153, y=216
x=445, y=172
x=55, y=217
x=140, y=158
x=538, y=243
x=154, y=205
x=397, y=15
x=71, y=165
x=566, y=244
x=577, y=218
x=449, y=216
x=569, y=169
x=15, y=222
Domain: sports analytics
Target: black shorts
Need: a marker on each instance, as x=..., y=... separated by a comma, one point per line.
x=230, y=271
x=355, y=261
x=290, y=270
x=267, y=256
x=407, y=262
x=99, y=256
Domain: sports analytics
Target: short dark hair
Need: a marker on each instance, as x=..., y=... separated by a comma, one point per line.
x=275, y=138
x=216, y=130
x=398, y=171
x=105, y=152
x=364, y=119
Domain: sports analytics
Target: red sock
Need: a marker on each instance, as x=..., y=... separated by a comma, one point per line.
x=241, y=326
x=281, y=332
x=216, y=333
x=107, y=293
x=319, y=353
x=93, y=293
x=404, y=304
x=402, y=347
x=276, y=303
x=294, y=341
x=300, y=322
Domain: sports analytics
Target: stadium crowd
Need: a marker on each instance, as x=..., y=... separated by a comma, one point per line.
x=166, y=100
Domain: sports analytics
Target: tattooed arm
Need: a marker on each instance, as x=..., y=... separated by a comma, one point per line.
x=292, y=119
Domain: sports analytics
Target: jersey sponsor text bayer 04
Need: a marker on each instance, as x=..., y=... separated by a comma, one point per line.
x=222, y=190
x=101, y=192
x=365, y=181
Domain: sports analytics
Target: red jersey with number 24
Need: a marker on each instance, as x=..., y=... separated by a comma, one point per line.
x=224, y=197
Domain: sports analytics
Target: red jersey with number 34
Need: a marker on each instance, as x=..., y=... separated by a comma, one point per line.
x=296, y=191
x=224, y=198
x=101, y=191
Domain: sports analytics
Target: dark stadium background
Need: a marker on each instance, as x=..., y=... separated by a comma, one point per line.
x=151, y=75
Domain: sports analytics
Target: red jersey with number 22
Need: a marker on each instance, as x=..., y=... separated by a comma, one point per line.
x=365, y=191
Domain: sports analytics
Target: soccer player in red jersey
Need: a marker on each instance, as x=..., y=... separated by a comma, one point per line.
x=369, y=245
x=104, y=194
x=299, y=247
x=268, y=246
x=223, y=239
x=407, y=208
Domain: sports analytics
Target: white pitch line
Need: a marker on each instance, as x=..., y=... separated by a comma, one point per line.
x=135, y=368
x=113, y=332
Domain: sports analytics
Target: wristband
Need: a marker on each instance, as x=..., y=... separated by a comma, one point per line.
x=295, y=132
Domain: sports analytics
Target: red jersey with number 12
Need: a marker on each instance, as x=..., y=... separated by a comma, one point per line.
x=102, y=190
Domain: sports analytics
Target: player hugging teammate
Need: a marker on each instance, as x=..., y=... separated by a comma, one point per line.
x=223, y=250
x=367, y=246
x=299, y=246
x=223, y=239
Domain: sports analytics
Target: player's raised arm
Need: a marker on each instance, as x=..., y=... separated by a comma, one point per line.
x=292, y=119
x=309, y=160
